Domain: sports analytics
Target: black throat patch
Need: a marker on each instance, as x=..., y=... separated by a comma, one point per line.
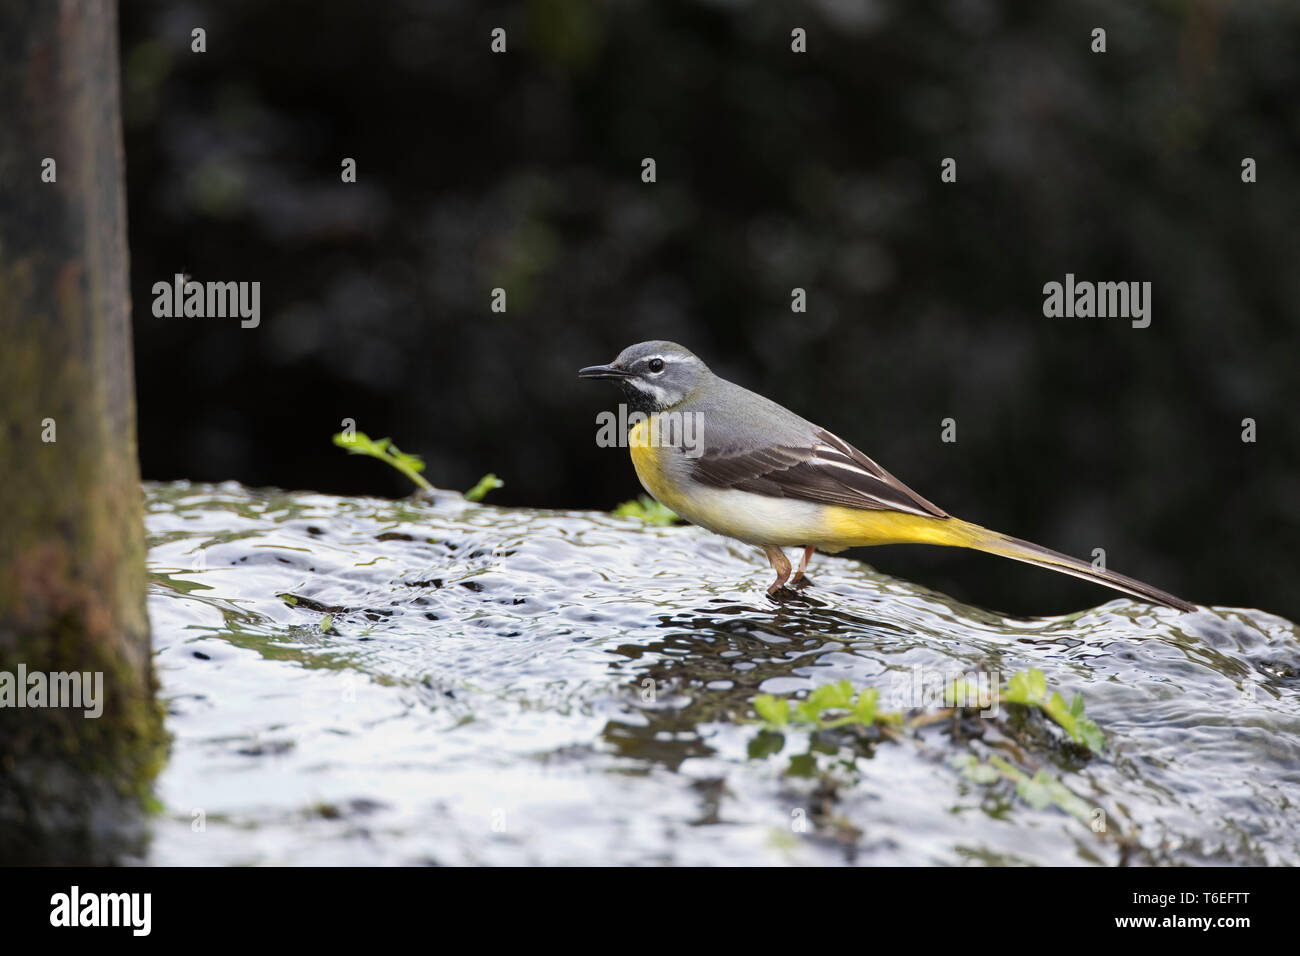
x=638, y=400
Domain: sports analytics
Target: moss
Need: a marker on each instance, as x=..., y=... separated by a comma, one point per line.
x=75, y=784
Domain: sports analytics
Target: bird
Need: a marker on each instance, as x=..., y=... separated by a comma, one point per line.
x=740, y=465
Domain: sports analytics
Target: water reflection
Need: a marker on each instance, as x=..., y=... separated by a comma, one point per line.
x=518, y=686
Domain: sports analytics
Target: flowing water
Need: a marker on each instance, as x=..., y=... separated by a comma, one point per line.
x=363, y=681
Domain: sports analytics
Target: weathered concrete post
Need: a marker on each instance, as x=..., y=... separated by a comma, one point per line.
x=72, y=572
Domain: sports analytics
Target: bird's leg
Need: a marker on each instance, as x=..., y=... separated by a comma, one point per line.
x=803, y=565
x=779, y=564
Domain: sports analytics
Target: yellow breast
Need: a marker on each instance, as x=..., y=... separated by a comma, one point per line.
x=749, y=517
x=646, y=459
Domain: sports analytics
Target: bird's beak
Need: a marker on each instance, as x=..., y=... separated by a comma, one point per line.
x=602, y=371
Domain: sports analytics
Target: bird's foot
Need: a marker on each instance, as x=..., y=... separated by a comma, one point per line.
x=780, y=565
x=799, y=580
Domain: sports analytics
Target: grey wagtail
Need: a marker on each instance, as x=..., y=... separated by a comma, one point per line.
x=765, y=476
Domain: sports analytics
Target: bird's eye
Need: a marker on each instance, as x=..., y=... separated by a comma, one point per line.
x=655, y=365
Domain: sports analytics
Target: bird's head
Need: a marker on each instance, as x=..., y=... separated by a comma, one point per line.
x=654, y=375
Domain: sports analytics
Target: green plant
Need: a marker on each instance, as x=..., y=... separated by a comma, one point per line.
x=485, y=484
x=827, y=707
x=1039, y=791
x=1029, y=688
x=648, y=510
x=836, y=705
x=359, y=443
x=774, y=712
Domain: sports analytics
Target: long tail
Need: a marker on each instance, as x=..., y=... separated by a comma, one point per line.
x=994, y=542
x=855, y=527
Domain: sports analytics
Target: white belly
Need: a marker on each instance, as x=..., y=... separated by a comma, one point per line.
x=755, y=519
x=752, y=518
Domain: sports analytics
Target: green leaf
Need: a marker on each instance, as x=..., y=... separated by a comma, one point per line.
x=1090, y=735
x=1073, y=722
x=864, y=708
x=807, y=712
x=773, y=710
x=485, y=484
x=836, y=696
x=359, y=443
x=1026, y=687
x=648, y=510
x=1055, y=708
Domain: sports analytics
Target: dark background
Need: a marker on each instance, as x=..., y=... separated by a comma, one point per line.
x=775, y=170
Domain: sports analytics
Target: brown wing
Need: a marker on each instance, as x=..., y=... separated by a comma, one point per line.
x=830, y=471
